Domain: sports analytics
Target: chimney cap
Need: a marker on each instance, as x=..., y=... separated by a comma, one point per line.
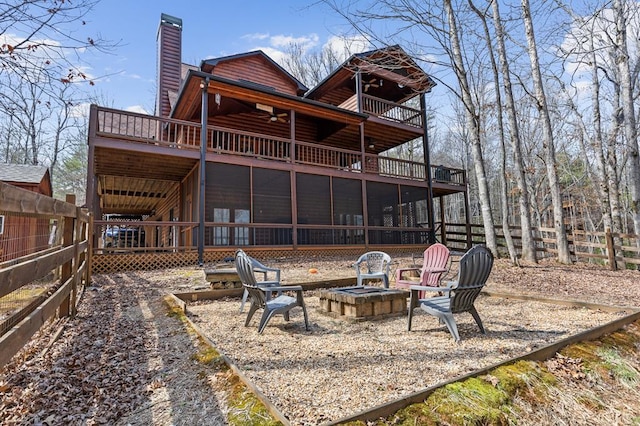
x=171, y=20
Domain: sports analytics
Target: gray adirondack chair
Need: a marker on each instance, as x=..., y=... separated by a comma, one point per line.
x=260, y=297
x=373, y=265
x=475, y=267
x=261, y=269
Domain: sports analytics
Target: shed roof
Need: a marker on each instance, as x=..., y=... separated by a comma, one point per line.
x=22, y=173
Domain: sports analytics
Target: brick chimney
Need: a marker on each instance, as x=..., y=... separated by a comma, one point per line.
x=169, y=42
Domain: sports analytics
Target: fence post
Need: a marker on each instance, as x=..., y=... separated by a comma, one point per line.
x=67, y=240
x=90, y=231
x=611, y=254
x=77, y=259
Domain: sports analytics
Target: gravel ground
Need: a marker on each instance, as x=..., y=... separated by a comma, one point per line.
x=338, y=368
x=122, y=360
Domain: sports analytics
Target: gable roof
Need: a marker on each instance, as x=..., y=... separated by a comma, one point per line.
x=208, y=65
x=391, y=61
x=22, y=173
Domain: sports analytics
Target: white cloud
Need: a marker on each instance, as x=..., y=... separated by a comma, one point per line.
x=255, y=36
x=345, y=46
x=275, y=54
x=307, y=42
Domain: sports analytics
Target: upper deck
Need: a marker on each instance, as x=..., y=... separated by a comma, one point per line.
x=137, y=154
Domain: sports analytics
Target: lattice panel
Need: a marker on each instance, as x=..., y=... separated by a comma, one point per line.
x=111, y=263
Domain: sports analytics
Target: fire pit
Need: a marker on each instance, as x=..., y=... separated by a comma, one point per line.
x=363, y=302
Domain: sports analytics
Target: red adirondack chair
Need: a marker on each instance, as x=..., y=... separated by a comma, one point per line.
x=436, y=258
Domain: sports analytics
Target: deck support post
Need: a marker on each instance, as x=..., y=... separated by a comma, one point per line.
x=203, y=162
x=427, y=165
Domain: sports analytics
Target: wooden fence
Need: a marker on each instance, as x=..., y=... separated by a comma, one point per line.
x=615, y=249
x=44, y=284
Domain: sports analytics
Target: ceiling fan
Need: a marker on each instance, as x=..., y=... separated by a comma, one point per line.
x=374, y=82
x=272, y=117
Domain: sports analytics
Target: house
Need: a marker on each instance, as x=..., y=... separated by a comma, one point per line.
x=21, y=235
x=241, y=153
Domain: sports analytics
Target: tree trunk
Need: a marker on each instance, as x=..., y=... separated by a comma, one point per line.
x=548, y=142
x=528, y=246
x=626, y=92
x=504, y=196
x=474, y=126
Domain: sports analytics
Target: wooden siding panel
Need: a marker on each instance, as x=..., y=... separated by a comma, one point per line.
x=351, y=104
x=257, y=70
x=23, y=235
x=254, y=123
x=172, y=201
x=169, y=65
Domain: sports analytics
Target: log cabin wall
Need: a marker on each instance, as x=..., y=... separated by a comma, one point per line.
x=167, y=211
x=256, y=69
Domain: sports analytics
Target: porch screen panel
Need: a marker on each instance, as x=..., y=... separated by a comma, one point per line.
x=272, y=204
x=189, y=213
x=314, y=208
x=382, y=209
x=413, y=214
x=347, y=210
x=227, y=199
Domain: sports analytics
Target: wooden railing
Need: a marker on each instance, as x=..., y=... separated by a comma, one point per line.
x=147, y=128
x=24, y=310
x=614, y=249
x=394, y=167
x=320, y=155
x=448, y=175
x=392, y=111
x=167, y=237
x=186, y=135
x=228, y=141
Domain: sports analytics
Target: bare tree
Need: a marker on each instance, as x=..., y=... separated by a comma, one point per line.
x=311, y=66
x=620, y=11
x=63, y=124
x=27, y=103
x=38, y=36
x=504, y=197
x=474, y=126
x=441, y=22
x=548, y=140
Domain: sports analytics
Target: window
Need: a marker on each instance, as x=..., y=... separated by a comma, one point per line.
x=221, y=233
x=1, y=224
x=241, y=233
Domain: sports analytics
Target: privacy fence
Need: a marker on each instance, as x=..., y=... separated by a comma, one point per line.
x=44, y=262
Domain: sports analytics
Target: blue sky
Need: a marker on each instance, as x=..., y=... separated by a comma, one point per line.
x=210, y=29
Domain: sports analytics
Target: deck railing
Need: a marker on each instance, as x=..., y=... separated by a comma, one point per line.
x=320, y=155
x=147, y=128
x=228, y=141
x=179, y=134
x=116, y=237
x=448, y=175
x=391, y=111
